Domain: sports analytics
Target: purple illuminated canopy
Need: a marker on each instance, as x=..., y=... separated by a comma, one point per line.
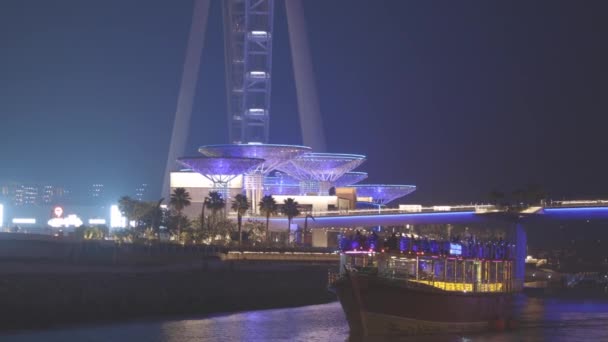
x=351, y=178
x=383, y=193
x=326, y=167
x=273, y=155
x=220, y=170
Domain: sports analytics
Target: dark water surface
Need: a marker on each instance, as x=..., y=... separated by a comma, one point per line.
x=541, y=320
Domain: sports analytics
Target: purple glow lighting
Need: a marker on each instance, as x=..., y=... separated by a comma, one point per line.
x=589, y=213
x=281, y=184
x=367, y=220
x=317, y=172
x=383, y=193
x=220, y=170
x=286, y=190
x=350, y=178
x=272, y=155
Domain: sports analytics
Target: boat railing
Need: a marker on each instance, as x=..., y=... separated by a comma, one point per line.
x=430, y=281
x=447, y=285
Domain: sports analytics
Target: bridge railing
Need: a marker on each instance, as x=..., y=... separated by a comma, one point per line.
x=481, y=208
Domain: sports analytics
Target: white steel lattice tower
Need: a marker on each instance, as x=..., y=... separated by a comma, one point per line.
x=248, y=35
x=248, y=42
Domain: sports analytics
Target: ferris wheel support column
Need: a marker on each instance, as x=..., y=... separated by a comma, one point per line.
x=308, y=104
x=194, y=50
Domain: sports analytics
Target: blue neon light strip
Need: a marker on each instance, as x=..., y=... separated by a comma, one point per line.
x=459, y=213
x=588, y=209
x=375, y=220
x=577, y=213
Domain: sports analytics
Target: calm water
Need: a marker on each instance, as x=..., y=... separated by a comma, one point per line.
x=541, y=320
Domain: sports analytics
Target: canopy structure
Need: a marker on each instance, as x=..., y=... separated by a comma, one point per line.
x=273, y=156
x=317, y=172
x=350, y=178
x=383, y=193
x=281, y=184
x=220, y=170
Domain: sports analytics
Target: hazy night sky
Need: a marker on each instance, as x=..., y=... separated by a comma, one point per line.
x=457, y=97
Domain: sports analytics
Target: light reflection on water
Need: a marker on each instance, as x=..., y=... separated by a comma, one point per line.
x=310, y=323
x=541, y=320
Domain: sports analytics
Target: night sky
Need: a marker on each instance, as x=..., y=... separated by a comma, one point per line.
x=457, y=97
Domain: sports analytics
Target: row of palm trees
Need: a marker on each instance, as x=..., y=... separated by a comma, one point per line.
x=147, y=213
x=180, y=199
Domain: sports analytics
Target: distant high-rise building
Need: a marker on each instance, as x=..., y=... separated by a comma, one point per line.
x=20, y=194
x=30, y=194
x=51, y=194
x=97, y=192
x=141, y=192
x=47, y=194
x=5, y=191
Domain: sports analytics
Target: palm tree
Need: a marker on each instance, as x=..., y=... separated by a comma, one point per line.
x=268, y=207
x=214, y=202
x=290, y=209
x=205, y=203
x=127, y=207
x=180, y=198
x=157, y=217
x=240, y=205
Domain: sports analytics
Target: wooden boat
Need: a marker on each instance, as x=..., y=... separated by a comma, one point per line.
x=423, y=293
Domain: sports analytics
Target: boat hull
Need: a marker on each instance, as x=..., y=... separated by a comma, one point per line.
x=378, y=306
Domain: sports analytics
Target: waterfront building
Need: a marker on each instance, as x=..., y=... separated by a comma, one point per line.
x=272, y=156
x=319, y=182
x=219, y=172
x=28, y=194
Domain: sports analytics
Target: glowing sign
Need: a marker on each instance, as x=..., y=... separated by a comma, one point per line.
x=24, y=220
x=116, y=218
x=58, y=212
x=69, y=221
x=455, y=249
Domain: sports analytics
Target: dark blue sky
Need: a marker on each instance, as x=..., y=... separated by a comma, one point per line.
x=457, y=97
